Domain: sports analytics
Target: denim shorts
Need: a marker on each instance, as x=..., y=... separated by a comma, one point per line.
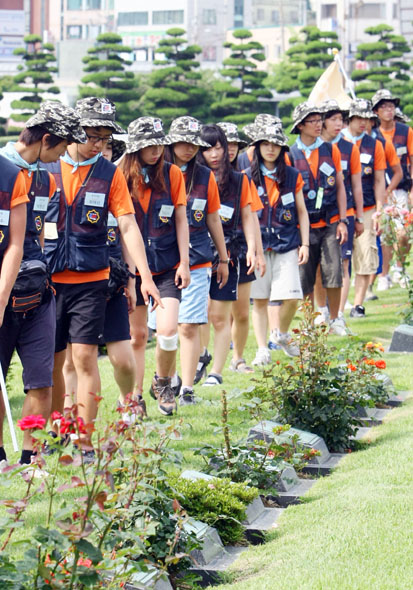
x=193, y=308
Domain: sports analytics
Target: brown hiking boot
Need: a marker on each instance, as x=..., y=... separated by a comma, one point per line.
x=162, y=391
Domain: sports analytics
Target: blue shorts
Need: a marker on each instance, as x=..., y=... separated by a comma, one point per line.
x=347, y=247
x=230, y=291
x=380, y=253
x=33, y=336
x=243, y=276
x=116, y=326
x=193, y=308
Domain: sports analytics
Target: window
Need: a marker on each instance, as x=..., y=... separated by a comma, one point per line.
x=275, y=17
x=132, y=18
x=375, y=11
x=209, y=53
x=84, y=4
x=74, y=4
x=329, y=11
x=395, y=11
x=168, y=17
x=74, y=32
x=260, y=14
x=238, y=13
x=209, y=16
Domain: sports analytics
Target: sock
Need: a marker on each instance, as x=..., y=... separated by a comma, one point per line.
x=3, y=456
x=26, y=457
x=174, y=380
x=187, y=388
x=204, y=351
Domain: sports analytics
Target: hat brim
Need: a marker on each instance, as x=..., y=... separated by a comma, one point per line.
x=282, y=141
x=241, y=143
x=361, y=114
x=192, y=139
x=135, y=146
x=302, y=118
x=85, y=122
x=396, y=102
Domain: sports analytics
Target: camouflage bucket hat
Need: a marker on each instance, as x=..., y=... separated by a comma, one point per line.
x=98, y=112
x=332, y=106
x=384, y=95
x=301, y=112
x=361, y=107
x=231, y=133
x=400, y=116
x=260, y=120
x=59, y=120
x=118, y=145
x=188, y=130
x=144, y=132
x=271, y=133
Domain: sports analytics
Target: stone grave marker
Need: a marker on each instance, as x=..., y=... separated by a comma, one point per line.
x=402, y=340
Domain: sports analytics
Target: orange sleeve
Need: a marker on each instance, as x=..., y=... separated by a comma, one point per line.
x=379, y=157
x=299, y=184
x=214, y=202
x=391, y=154
x=355, y=164
x=52, y=186
x=19, y=194
x=120, y=201
x=256, y=203
x=410, y=142
x=178, y=191
x=245, y=192
x=336, y=158
x=287, y=159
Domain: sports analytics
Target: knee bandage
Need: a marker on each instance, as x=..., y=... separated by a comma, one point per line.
x=168, y=343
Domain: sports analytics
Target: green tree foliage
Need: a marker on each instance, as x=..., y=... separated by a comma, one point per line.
x=388, y=67
x=34, y=78
x=176, y=87
x=106, y=75
x=243, y=83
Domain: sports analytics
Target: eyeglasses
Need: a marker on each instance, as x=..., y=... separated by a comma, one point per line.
x=388, y=106
x=314, y=121
x=95, y=139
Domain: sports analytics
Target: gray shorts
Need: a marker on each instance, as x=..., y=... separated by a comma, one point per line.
x=325, y=250
x=33, y=336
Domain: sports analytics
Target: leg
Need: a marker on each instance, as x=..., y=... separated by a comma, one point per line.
x=85, y=359
x=240, y=325
x=190, y=348
x=361, y=286
x=139, y=336
x=346, y=284
x=260, y=321
x=37, y=401
x=319, y=292
x=273, y=317
x=123, y=363
x=166, y=326
x=70, y=378
x=287, y=313
x=58, y=390
x=220, y=314
x=334, y=295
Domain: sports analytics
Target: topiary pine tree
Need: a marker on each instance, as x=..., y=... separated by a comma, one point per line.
x=106, y=75
x=387, y=69
x=175, y=87
x=34, y=79
x=238, y=97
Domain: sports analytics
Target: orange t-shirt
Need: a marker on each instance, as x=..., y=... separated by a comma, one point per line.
x=391, y=155
x=120, y=203
x=19, y=194
x=273, y=192
x=246, y=198
x=28, y=181
x=213, y=205
x=388, y=135
x=355, y=164
x=256, y=203
x=178, y=192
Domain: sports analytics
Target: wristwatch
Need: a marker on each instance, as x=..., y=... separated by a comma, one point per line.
x=344, y=220
x=360, y=219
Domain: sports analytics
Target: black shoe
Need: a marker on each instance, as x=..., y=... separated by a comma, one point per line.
x=203, y=362
x=63, y=441
x=177, y=388
x=187, y=397
x=88, y=457
x=357, y=311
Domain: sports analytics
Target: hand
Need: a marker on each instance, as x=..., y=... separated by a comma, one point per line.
x=222, y=274
x=130, y=294
x=359, y=228
x=182, y=275
x=260, y=263
x=303, y=254
x=149, y=289
x=342, y=232
x=250, y=260
x=376, y=224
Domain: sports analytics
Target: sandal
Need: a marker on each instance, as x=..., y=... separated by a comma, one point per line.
x=212, y=379
x=240, y=366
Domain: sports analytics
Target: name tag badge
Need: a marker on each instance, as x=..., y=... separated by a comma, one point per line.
x=287, y=199
x=401, y=150
x=326, y=169
x=112, y=221
x=166, y=211
x=365, y=158
x=344, y=164
x=226, y=212
x=50, y=231
x=95, y=199
x=260, y=191
x=4, y=216
x=40, y=203
x=319, y=201
x=198, y=204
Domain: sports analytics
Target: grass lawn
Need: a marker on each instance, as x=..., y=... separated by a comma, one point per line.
x=351, y=530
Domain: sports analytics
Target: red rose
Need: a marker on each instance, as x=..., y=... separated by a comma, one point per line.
x=56, y=416
x=31, y=423
x=84, y=562
x=351, y=367
x=380, y=364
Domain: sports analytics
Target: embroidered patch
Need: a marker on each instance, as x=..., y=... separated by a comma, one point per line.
x=331, y=181
x=92, y=216
x=157, y=125
x=164, y=219
x=1, y=236
x=38, y=223
x=368, y=170
x=111, y=234
x=287, y=215
x=193, y=126
x=106, y=107
x=198, y=216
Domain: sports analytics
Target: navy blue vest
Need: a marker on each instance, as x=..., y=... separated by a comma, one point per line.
x=279, y=222
x=230, y=213
x=158, y=228
x=368, y=148
x=400, y=143
x=328, y=207
x=200, y=250
x=81, y=228
x=8, y=175
x=346, y=150
x=113, y=240
x=36, y=213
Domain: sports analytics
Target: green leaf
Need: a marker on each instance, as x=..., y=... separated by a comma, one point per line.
x=92, y=552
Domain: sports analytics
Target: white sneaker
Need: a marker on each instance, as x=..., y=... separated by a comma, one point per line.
x=323, y=316
x=338, y=327
x=383, y=283
x=262, y=357
x=348, y=305
x=396, y=275
x=287, y=344
x=404, y=282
